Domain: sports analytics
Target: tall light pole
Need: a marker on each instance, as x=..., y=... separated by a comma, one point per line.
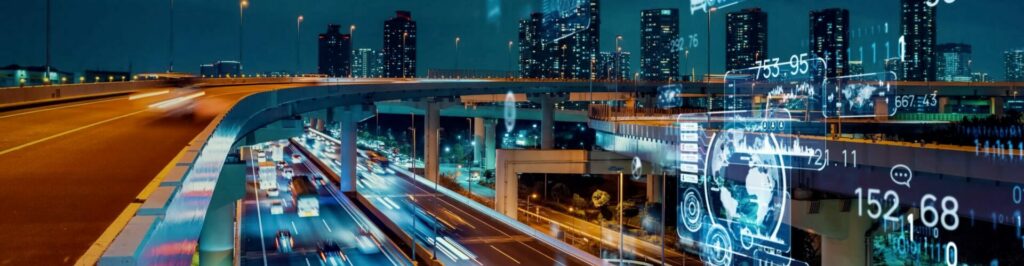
x=618, y=53
x=621, y=222
x=170, y=42
x=710, y=11
x=298, y=48
x=511, y=68
x=352, y=42
x=457, y=74
x=47, y=39
x=241, y=21
x=707, y=79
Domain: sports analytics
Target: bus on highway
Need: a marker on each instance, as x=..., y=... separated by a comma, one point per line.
x=307, y=202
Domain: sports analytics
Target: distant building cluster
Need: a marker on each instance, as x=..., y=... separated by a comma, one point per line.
x=221, y=69
x=15, y=75
x=562, y=48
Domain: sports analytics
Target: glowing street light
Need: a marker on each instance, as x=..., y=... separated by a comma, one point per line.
x=457, y=74
x=298, y=48
x=242, y=5
x=351, y=40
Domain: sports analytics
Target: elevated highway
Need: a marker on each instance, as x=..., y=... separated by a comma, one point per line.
x=81, y=167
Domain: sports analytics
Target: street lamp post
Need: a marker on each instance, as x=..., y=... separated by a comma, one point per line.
x=170, y=42
x=298, y=48
x=532, y=196
x=352, y=42
x=510, y=68
x=621, y=222
x=47, y=39
x=241, y=22
x=457, y=74
x=618, y=53
x=707, y=79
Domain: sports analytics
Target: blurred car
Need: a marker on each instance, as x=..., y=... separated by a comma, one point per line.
x=276, y=207
x=331, y=254
x=296, y=158
x=365, y=243
x=284, y=241
x=288, y=173
x=281, y=164
x=274, y=192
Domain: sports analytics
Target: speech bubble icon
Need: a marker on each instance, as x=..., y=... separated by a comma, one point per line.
x=901, y=175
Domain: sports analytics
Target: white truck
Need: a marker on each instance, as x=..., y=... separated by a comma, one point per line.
x=267, y=175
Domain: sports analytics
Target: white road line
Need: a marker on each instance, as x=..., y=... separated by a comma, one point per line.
x=295, y=229
x=259, y=216
x=61, y=107
x=506, y=255
x=325, y=225
x=22, y=146
x=307, y=262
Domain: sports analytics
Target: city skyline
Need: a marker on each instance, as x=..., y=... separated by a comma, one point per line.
x=484, y=35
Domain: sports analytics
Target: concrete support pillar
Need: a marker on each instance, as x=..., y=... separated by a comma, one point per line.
x=478, y=140
x=996, y=105
x=348, y=120
x=490, y=144
x=547, y=124
x=943, y=102
x=654, y=188
x=431, y=157
x=881, y=109
x=216, y=240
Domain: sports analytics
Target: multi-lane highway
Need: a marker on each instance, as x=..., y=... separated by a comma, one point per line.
x=464, y=236
x=281, y=236
x=69, y=170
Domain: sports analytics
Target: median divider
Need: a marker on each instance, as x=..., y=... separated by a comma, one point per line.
x=392, y=230
x=523, y=228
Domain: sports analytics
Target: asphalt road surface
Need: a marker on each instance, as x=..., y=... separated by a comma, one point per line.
x=67, y=171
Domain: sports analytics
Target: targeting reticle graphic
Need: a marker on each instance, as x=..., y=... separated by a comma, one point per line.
x=735, y=195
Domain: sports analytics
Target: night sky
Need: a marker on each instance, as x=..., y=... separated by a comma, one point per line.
x=113, y=34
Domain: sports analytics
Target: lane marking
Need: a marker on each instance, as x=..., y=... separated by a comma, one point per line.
x=506, y=255
x=61, y=107
x=327, y=226
x=295, y=229
x=22, y=146
x=259, y=215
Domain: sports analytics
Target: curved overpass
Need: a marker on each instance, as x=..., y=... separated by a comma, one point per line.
x=76, y=164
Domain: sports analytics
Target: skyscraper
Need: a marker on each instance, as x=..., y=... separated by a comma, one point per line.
x=366, y=63
x=536, y=56
x=746, y=38
x=830, y=39
x=918, y=29
x=613, y=65
x=953, y=62
x=579, y=49
x=659, y=29
x=335, y=53
x=1014, y=60
x=400, y=46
